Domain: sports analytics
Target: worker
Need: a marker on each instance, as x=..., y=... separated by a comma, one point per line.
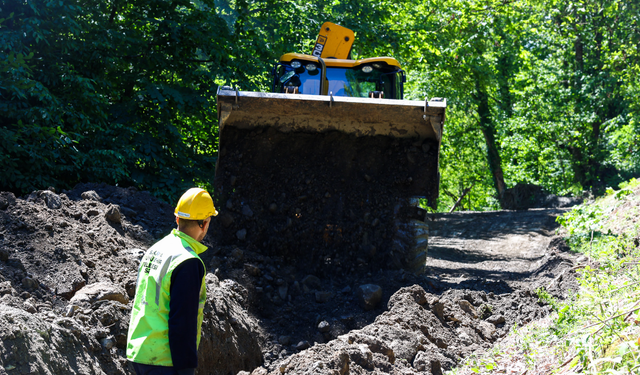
x=166, y=318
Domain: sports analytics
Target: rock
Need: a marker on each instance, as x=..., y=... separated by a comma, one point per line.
x=237, y=254
x=99, y=292
x=241, y=234
x=284, y=340
x=126, y=211
x=113, y=214
x=4, y=254
x=416, y=293
x=467, y=307
x=283, y=291
x=252, y=270
x=486, y=330
x=311, y=282
x=91, y=195
x=464, y=337
x=246, y=211
x=496, y=319
x=130, y=287
x=322, y=297
x=29, y=284
x=70, y=310
x=107, y=343
x=302, y=345
x=225, y=219
x=52, y=200
x=6, y=288
x=428, y=362
x=6, y=199
x=68, y=289
x=29, y=307
x=368, y=296
x=324, y=326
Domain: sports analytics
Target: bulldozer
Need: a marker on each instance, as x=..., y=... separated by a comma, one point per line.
x=328, y=169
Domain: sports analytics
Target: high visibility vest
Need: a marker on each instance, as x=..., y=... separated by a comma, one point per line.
x=148, y=336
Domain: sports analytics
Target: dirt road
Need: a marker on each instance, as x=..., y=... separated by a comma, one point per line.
x=493, y=245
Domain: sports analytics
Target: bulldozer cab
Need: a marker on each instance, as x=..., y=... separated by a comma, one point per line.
x=380, y=77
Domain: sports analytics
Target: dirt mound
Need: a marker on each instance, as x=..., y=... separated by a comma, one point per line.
x=68, y=266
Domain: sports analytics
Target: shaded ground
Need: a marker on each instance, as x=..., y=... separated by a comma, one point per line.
x=68, y=265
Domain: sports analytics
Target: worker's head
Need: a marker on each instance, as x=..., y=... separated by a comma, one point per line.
x=193, y=213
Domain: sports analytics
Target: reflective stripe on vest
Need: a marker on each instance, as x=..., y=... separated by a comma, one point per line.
x=148, y=336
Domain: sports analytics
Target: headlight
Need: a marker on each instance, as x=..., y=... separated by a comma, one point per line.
x=367, y=69
x=296, y=64
x=377, y=65
x=311, y=67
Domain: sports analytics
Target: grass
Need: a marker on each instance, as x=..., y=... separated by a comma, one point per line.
x=597, y=330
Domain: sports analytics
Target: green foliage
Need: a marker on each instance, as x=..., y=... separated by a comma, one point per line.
x=541, y=93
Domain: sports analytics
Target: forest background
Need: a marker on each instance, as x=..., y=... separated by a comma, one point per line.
x=123, y=92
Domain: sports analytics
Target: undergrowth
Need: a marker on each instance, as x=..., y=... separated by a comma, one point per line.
x=597, y=330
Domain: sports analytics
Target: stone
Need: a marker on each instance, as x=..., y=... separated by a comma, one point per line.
x=4, y=254
x=70, y=310
x=113, y=214
x=284, y=340
x=302, y=345
x=225, y=219
x=283, y=290
x=496, y=319
x=486, y=330
x=324, y=326
x=6, y=199
x=322, y=297
x=467, y=307
x=29, y=307
x=259, y=371
x=368, y=296
x=246, y=211
x=99, y=292
x=30, y=284
x=241, y=234
x=52, y=199
x=311, y=282
x=6, y=288
x=107, y=343
x=91, y=195
x=252, y=270
x=237, y=254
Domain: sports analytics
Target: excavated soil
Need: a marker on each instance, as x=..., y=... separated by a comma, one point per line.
x=68, y=264
x=329, y=203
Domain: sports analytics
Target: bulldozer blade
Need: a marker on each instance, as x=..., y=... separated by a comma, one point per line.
x=362, y=117
x=327, y=180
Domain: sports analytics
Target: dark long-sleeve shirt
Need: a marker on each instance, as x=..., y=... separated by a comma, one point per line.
x=186, y=281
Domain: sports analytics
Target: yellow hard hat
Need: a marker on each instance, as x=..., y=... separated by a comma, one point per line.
x=195, y=204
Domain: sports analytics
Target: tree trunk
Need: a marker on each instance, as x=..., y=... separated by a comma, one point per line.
x=488, y=130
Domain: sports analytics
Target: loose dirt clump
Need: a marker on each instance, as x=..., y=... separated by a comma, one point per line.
x=68, y=265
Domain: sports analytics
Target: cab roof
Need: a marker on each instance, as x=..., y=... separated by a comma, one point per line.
x=339, y=63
